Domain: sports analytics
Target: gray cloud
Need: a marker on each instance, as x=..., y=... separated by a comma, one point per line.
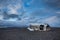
x=53, y=3
x=15, y=8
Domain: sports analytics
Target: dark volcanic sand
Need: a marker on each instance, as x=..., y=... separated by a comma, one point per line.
x=24, y=34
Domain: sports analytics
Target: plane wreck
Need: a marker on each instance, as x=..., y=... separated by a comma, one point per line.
x=39, y=27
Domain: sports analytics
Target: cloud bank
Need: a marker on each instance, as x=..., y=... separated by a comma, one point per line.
x=30, y=11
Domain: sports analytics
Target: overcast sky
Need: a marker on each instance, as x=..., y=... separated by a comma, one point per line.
x=31, y=11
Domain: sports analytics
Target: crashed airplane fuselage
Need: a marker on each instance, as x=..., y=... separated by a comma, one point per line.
x=38, y=27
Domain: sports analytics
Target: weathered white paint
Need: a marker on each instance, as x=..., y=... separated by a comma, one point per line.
x=36, y=26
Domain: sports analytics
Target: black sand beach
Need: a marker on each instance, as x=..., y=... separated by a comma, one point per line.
x=24, y=34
